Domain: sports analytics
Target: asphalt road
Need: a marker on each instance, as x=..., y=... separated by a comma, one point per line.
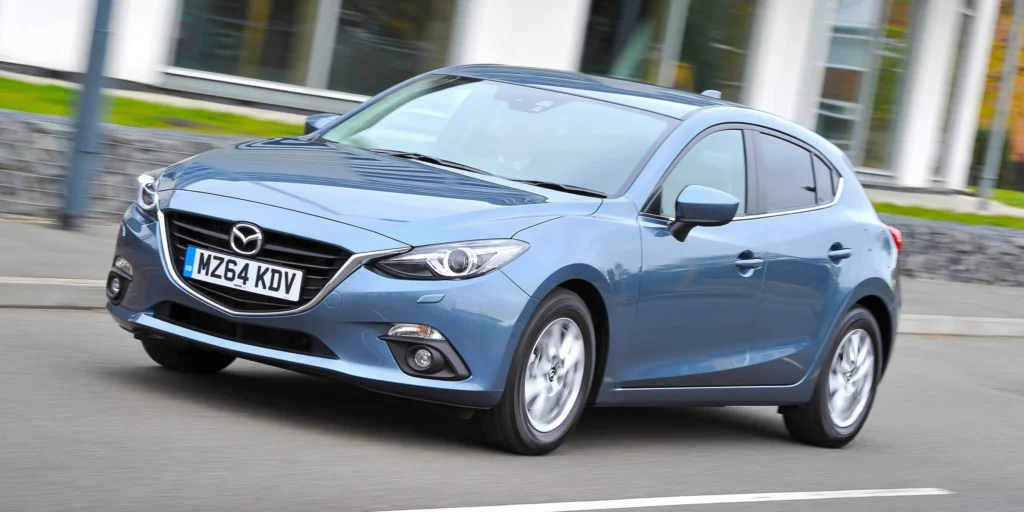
x=87, y=422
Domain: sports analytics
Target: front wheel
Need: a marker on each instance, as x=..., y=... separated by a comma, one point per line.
x=549, y=379
x=846, y=385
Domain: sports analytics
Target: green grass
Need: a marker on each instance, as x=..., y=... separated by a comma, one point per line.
x=1002, y=221
x=56, y=100
x=1008, y=197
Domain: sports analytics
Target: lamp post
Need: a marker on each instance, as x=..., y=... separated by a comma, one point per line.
x=86, y=142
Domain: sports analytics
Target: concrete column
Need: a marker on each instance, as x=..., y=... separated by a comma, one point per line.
x=325, y=33
x=927, y=84
x=970, y=92
x=538, y=33
x=780, y=59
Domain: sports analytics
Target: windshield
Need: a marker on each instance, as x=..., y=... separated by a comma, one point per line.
x=514, y=132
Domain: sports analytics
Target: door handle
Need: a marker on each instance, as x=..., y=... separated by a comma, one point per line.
x=836, y=255
x=749, y=263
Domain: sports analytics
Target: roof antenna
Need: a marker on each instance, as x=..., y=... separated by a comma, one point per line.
x=711, y=93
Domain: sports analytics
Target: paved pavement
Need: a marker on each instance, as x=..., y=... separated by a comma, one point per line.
x=89, y=423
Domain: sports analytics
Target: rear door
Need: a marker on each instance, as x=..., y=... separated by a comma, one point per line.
x=808, y=246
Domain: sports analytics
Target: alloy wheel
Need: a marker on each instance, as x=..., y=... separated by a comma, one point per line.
x=554, y=375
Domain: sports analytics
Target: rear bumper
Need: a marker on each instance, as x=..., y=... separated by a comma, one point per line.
x=482, y=318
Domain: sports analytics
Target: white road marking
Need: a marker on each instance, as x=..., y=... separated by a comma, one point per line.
x=675, y=501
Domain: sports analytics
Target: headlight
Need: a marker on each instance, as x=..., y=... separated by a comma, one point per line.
x=147, y=195
x=458, y=260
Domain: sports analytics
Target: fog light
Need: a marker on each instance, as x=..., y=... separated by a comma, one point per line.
x=115, y=288
x=123, y=265
x=422, y=359
x=415, y=331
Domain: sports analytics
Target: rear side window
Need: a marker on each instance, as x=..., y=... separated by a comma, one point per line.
x=835, y=182
x=786, y=175
x=824, y=184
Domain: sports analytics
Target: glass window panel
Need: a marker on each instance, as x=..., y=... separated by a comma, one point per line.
x=842, y=84
x=715, y=45
x=628, y=38
x=624, y=37
x=836, y=129
x=867, y=59
x=892, y=67
x=717, y=161
x=511, y=131
x=380, y=43
x=262, y=39
x=823, y=187
x=787, y=180
x=852, y=52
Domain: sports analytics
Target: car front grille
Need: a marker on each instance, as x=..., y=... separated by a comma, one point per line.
x=319, y=261
x=257, y=335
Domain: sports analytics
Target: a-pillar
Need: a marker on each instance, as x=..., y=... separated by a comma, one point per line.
x=934, y=41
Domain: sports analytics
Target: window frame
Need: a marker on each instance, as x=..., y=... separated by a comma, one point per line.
x=812, y=152
x=753, y=198
x=755, y=201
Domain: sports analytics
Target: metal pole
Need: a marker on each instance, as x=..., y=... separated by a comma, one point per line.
x=86, y=142
x=997, y=136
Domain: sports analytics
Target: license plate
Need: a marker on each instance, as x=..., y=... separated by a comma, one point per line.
x=242, y=274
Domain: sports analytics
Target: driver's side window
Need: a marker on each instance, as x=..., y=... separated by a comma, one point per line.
x=716, y=161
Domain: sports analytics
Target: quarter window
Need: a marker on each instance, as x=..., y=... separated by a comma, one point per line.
x=716, y=161
x=824, y=187
x=786, y=176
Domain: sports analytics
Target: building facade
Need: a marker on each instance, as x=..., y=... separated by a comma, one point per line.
x=897, y=84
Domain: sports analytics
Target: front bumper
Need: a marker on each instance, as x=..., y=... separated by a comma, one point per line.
x=482, y=318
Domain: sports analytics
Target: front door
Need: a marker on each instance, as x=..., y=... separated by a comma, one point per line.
x=699, y=298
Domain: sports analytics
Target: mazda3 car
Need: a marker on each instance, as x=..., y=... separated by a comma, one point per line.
x=525, y=244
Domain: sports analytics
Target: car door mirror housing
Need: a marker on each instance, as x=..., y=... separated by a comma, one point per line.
x=317, y=121
x=697, y=205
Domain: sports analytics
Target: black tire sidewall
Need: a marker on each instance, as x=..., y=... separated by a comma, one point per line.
x=560, y=304
x=858, y=318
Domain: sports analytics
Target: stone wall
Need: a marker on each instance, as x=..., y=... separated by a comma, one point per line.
x=958, y=252
x=34, y=154
x=33, y=163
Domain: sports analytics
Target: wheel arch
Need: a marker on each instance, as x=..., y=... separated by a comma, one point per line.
x=599, y=314
x=880, y=299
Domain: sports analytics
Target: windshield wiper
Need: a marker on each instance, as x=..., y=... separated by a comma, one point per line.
x=572, y=189
x=427, y=158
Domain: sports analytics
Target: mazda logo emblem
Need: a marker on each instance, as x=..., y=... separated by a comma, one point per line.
x=246, y=239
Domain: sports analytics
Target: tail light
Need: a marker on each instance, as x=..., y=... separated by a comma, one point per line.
x=897, y=237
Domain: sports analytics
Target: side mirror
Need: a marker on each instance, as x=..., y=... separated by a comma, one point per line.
x=702, y=206
x=318, y=121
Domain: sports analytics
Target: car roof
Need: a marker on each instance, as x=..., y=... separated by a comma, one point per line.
x=660, y=100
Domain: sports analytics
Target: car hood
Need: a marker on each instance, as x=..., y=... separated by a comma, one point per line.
x=412, y=202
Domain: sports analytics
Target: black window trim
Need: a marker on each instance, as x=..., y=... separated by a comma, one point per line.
x=754, y=202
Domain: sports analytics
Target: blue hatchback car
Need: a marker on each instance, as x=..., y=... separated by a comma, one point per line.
x=526, y=243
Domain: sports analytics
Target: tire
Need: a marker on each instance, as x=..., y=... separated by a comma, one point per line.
x=815, y=423
x=186, y=359
x=511, y=425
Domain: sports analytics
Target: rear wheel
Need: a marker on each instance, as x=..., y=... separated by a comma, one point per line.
x=185, y=358
x=549, y=379
x=845, y=390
